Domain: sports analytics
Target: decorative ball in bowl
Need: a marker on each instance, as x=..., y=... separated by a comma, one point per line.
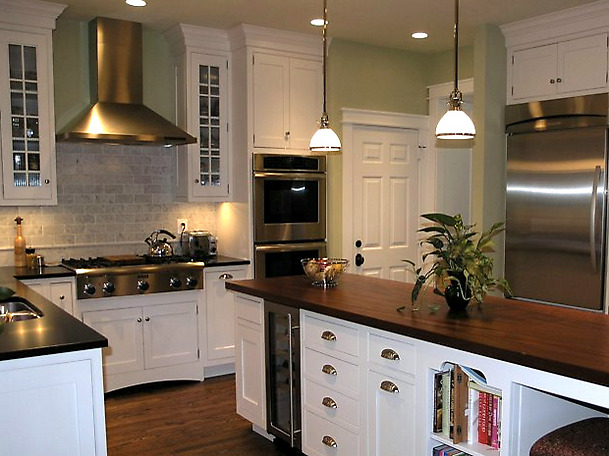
x=324, y=272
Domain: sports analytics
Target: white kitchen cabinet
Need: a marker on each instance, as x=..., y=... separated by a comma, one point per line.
x=27, y=122
x=59, y=290
x=391, y=414
x=250, y=371
x=203, y=71
x=220, y=313
x=53, y=405
x=150, y=338
x=287, y=101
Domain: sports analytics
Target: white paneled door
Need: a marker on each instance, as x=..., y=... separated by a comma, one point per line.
x=385, y=200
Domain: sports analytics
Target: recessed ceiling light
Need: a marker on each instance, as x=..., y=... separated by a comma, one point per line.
x=419, y=35
x=317, y=22
x=136, y=2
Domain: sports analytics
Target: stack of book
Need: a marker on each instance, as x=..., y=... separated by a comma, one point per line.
x=446, y=450
x=466, y=409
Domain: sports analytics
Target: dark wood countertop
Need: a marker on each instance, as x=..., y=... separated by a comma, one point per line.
x=56, y=332
x=569, y=342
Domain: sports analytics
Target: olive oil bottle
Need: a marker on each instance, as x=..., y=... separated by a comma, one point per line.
x=19, y=245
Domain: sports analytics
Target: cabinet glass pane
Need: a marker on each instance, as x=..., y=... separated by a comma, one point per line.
x=209, y=121
x=25, y=118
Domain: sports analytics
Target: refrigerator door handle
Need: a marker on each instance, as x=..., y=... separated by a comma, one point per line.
x=593, y=205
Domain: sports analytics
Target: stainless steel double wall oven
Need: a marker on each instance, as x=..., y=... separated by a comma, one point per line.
x=289, y=212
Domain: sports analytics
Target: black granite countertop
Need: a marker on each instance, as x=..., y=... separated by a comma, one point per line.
x=56, y=332
x=221, y=260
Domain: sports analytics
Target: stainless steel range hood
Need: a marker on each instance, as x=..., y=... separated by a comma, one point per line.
x=118, y=115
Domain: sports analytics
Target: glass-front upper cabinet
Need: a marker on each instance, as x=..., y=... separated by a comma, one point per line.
x=212, y=126
x=26, y=120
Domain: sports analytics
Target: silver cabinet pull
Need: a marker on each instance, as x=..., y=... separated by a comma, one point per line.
x=391, y=354
x=390, y=387
x=329, y=441
x=225, y=276
x=328, y=335
x=147, y=318
x=62, y=297
x=329, y=402
x=139, y=320
x=329, y=369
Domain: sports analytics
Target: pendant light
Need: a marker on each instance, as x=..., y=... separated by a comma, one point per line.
x=455, y=124
x=324, y=139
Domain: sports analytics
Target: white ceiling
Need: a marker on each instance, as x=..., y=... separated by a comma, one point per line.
x=386, y=23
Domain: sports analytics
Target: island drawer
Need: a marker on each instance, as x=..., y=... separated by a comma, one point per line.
x=332, y=372
x=324, y=438
x=326, y=335
x=331, y=404
x=249, y=308
x=393, y=352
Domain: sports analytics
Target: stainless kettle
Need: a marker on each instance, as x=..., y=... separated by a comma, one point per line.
x=159, y=247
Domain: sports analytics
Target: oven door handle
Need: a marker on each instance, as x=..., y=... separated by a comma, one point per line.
x=289, y=176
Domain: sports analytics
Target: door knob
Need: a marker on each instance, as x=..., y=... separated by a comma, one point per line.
x=359, y=259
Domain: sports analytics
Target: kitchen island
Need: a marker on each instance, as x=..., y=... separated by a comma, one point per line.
x=551, y=364
x=51, y=385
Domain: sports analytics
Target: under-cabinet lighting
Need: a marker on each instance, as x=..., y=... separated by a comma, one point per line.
x=419, y=35
x=317, y=22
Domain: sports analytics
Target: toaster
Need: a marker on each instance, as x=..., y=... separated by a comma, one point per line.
x=200, y=244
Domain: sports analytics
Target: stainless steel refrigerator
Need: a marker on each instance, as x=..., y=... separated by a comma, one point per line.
x=556, y=201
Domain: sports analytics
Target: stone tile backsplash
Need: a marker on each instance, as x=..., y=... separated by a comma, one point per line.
x=110, y=198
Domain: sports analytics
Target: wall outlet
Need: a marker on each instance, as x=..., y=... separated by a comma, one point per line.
x=182, y=226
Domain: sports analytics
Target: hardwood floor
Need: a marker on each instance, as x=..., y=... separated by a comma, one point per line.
x=186, y=419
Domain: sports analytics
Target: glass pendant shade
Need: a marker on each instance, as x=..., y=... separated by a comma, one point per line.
x=325, y=140
x=455, y=124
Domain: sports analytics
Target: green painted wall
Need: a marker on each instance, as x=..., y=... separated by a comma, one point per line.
x=71, y=72
x=441, y=65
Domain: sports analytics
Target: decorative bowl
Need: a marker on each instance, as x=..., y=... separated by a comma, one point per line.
x=324, y=272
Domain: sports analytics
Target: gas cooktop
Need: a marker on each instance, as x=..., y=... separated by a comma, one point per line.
x=122, y=275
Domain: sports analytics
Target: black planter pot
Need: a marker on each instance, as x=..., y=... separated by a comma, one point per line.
x=453, y=292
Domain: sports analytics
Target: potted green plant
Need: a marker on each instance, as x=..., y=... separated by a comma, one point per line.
x=461, y=270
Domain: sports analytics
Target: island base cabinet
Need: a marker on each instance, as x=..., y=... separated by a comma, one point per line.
x=250, y=362
x=52, y=405
x=391, y=415
x=324, y=438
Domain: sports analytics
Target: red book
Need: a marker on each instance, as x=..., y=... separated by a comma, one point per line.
x=495, y=423
x=482, y=417
x=489, y=417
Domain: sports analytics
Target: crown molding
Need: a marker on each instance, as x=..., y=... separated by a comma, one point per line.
x=265, y=38
x=193, y=37
x=30, y=13
x=573, y=21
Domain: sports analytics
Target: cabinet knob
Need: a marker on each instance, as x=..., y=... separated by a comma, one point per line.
x=559, y=80
x=62, y=297
x=329, y=369
x=139, y=320
x=225, y=276
x=287, y=135
x=328, y=335
x=196, y=181
x=147, y=318
x=390, y=387
x=329, y=441
x=47, y=181
x=391, y=354
x=329, y=402
x=552, y=81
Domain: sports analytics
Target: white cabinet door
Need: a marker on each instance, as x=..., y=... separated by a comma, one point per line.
x=170, y=334
x=221, y=313
x=208, y=118
x=27, y=120
x=582, y=64
x=249, y=360
x=391, y=415
x=61, y=294
x=305, y=101
x=271, y=88
x=123, y=329
x=48, y=410
x=534, y=72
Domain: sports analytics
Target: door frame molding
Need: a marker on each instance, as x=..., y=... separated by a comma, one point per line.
x=351, y=120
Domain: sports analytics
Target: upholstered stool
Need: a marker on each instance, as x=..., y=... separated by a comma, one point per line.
x=589, y=437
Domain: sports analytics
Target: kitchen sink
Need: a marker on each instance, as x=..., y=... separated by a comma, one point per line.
x=17, y=309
